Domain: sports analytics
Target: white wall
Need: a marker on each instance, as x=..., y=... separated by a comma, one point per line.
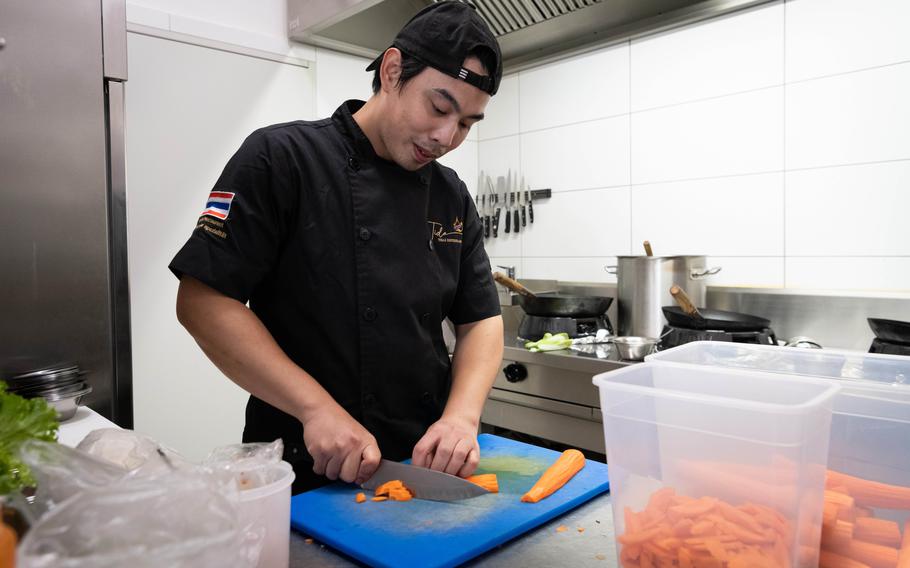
x=188, y=109
x=776, y=141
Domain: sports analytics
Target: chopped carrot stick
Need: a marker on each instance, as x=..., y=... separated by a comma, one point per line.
x=875, y=555
x=379, y=499
x=360, y=498
x=869, y=493
x=563, y=469
x=486, y=480
x=388, y=486
x=877, y=531
x=903, y=560
x=828, y=559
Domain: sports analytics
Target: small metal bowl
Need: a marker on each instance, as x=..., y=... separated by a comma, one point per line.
x=633, y=348
x=67, y=404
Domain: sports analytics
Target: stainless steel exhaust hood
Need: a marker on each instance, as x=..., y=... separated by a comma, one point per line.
x=529, y=31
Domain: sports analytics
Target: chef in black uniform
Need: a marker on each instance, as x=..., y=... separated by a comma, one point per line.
x=329, y=253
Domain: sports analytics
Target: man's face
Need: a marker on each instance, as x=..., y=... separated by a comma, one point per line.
x=430, y=116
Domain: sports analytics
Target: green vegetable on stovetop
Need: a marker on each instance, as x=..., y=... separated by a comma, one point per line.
x=550, y=342
x=21, y=419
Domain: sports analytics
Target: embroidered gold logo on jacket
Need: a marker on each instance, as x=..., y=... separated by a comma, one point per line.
x=452, y=234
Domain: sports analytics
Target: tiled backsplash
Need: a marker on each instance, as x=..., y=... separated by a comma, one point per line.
x=776, y=141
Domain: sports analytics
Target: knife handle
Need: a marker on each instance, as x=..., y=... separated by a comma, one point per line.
x=524, y=216
x=530, y=210
x=508, y=221
x=496, y=222
x=515, y=219
x=486, y=226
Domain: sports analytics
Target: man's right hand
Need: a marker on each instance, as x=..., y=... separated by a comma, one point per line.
x=341, y=447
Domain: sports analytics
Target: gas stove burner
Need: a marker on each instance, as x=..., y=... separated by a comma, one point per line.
x=532, y=328
x=888, y=347
x=673, y=336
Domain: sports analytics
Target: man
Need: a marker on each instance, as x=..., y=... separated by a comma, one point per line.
x=352, y=245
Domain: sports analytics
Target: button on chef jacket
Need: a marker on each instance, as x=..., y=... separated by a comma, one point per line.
x=352, y=263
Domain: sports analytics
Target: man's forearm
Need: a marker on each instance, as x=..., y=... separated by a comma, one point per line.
x=478, y=354
x=237, y=342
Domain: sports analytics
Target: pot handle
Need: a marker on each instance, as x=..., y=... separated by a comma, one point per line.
x=699, y=273
x=610, y=269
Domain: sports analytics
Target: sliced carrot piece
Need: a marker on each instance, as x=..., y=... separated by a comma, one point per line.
x=486, y=480
x=379, y=499
x=869, y=493
x=563, y=469
x=903, y=560
x=828, y=559
x=877, y=531
x=360, y=498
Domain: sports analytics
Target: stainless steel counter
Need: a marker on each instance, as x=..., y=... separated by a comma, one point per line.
x=568, y=359
x=539, y=548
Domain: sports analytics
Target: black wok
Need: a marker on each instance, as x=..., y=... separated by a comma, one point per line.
x=714, y=319
x=554, y=304
x=892, y=331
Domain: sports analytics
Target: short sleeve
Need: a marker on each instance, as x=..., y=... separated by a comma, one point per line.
x=242, y=224
x=476, y=297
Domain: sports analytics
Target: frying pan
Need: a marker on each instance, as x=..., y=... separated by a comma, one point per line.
x=688, y=316
x=554, y=304
x=890, y=330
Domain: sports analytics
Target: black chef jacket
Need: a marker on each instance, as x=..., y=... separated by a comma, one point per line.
x=352, y=263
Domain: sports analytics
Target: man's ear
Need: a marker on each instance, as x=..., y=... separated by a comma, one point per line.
x=390, y=69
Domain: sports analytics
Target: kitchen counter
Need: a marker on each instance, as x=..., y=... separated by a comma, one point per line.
x=592, y=358
x=539, y=548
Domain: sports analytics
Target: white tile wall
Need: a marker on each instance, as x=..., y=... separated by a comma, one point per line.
x=738, y=134
x=787, y=127
x=687, y=65
x=751, y=271
x=729, y=216
x=825, y=37
x=578, y=156
x=570, y=269
x=886, y=274
x=857, y=117
x=590, y=86
x=849, y=210
x=340, y=77
x=580, y=223
x=501, y=115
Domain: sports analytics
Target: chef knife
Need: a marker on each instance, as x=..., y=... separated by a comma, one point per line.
x=524, y=202
x=514, y=213
x=425, y=483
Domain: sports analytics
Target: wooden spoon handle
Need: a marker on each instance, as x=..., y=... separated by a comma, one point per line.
x=684, y=302
x=648, y=250
x=513, y=285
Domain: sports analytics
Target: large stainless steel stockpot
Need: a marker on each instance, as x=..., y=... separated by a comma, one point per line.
x=643, y=288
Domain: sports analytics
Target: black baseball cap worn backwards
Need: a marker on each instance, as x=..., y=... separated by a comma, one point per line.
x=442, y=35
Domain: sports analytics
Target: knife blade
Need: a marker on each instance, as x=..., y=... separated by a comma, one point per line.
x=425, y=483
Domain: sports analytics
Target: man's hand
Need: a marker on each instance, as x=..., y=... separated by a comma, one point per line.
x=449, y=445
x=341, y=447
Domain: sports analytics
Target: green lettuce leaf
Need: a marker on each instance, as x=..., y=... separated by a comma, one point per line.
x=21, y=419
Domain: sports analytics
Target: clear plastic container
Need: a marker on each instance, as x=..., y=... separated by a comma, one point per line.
x=834, y=363
x=870, y=426
x=741, y=445
x=268, y=508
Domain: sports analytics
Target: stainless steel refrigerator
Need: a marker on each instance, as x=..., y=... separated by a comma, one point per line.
x=64, y=294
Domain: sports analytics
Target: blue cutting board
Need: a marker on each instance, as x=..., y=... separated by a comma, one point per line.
x=433, y=534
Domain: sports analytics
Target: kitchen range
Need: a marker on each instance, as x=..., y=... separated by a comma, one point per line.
x=548, y=398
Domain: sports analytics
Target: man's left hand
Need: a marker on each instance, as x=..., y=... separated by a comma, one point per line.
x=449, y=445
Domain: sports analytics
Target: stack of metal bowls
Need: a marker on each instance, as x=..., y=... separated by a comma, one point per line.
x=61, y=385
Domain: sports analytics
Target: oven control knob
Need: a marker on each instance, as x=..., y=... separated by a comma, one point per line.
x=515, y=372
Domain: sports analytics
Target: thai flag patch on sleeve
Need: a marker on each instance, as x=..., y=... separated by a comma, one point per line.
x=219, y=204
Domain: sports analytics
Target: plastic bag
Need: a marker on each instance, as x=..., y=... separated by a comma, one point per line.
x=164, y=511
x=248, y=466
x=178, y=520
x=134, y=452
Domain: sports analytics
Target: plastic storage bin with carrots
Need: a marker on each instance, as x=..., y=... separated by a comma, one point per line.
x=866, y=514
x=715, y=467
